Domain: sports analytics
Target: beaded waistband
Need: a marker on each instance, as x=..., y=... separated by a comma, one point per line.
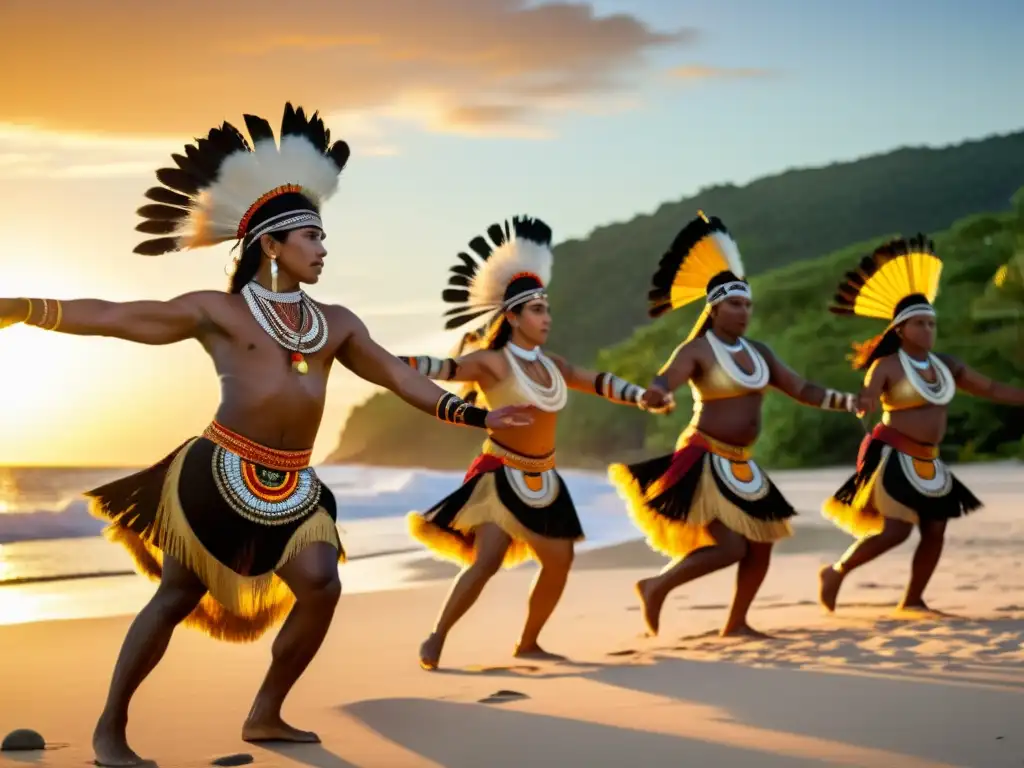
x=518, y=460
x=900, y=442
x=717, y=447
x=253, y=452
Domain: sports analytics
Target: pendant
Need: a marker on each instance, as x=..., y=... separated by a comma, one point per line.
x=299, y=364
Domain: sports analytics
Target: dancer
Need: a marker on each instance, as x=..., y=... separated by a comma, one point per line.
x=512, y=504
x=708, y=505
x=234, y=524
x=900, y=480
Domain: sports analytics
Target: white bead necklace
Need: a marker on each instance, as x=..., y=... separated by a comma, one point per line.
x=551, y=398
x=756, y=380
x=938, y=392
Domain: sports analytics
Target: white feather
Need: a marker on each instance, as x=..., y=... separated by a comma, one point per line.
x=730, y=252
x=511, y=258
x=246, y=176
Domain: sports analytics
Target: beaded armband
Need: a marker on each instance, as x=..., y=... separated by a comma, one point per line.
x=432, y=367
x=838, y=401
x=618, y=390
x=455, y=410
x=49, y=317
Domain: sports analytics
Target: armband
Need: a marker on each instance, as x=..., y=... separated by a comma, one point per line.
x=48, y=318
x=618, y=390
x=838, y=401
x=454, y=410
x=432, y=367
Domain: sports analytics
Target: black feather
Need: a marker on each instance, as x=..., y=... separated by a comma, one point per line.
x=469, y=261
x=178, y=180
x=455, y=295
x=157, y=227
x=157, y=247
x=460, y=281
x=532, y=229
x=191, y=169
x=497, y=235
x=339, y=154
x=462, y=269
x=167, y=196
x=455, y=322
x=163, y=212
x=206, y=167
x=480, y=247
x=259, y=128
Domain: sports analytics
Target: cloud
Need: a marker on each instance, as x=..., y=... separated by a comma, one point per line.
x=173, y=69
x=704, y=72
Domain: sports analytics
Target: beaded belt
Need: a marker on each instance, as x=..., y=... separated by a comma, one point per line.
x=253, y=452
x=717, y=447
x=534, y=464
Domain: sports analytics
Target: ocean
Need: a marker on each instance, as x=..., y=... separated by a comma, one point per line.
x=54, y=564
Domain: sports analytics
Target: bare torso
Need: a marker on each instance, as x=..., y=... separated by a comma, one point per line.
x=735, y=420
x=262, y=397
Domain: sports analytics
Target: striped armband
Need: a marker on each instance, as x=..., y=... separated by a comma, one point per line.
x=432, y=367
x=618, y=390
x=838, y=401
x=454, y=410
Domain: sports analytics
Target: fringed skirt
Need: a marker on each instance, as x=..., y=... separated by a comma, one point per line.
x=231, y=511
x=522, y=495
x=897, y=478
x=674, y=498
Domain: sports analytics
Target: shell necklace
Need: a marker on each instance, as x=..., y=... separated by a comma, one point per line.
x=303, y=335
x=550, y=399
x=938, y=392
x=757, y=380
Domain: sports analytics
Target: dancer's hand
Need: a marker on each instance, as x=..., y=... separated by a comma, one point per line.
x=12, y=312
x=658, y=401
x=865, y=404
x=509, y=416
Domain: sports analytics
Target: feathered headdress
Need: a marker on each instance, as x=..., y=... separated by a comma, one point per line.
x=703, y=249
x=515, y=270
x=225, y=189
x=900, y=280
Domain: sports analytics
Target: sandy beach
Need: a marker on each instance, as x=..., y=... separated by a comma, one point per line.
x=861, y=688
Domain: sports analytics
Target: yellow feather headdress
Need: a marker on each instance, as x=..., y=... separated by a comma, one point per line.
x=898, y=281
x=702, y=249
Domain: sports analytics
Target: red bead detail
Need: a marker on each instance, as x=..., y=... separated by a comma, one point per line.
x=297, y=357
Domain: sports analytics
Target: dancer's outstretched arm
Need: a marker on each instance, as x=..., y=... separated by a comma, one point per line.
x=980, y=385
x=480, y=366
x=612, y=387
x=792, y=384
x=367, y=359
x=144, y=322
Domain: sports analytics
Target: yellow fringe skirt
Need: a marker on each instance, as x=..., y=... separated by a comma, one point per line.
x=900, y=479
x=673, y=499
x=524, y=496
x=232, y=512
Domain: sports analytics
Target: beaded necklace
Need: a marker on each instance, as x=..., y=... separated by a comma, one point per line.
x=303, y=335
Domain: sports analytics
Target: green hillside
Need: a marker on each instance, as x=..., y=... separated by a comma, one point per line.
x=599, y=285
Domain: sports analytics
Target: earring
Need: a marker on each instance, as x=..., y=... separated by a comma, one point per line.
x=273, y=274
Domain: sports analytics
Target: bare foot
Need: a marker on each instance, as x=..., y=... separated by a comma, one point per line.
x=743, y=630
x=430, y=652
x=829, y=581
x=275, y=729
x=110, y=744
x=919, y=608
x=536, y=653
x=650, y=605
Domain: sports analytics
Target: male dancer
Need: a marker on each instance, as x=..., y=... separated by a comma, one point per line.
x=235, y=524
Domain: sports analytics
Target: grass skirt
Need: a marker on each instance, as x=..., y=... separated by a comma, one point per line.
x=231, y=522
x=900, y=479
x=524, y=496
x=674, y=498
